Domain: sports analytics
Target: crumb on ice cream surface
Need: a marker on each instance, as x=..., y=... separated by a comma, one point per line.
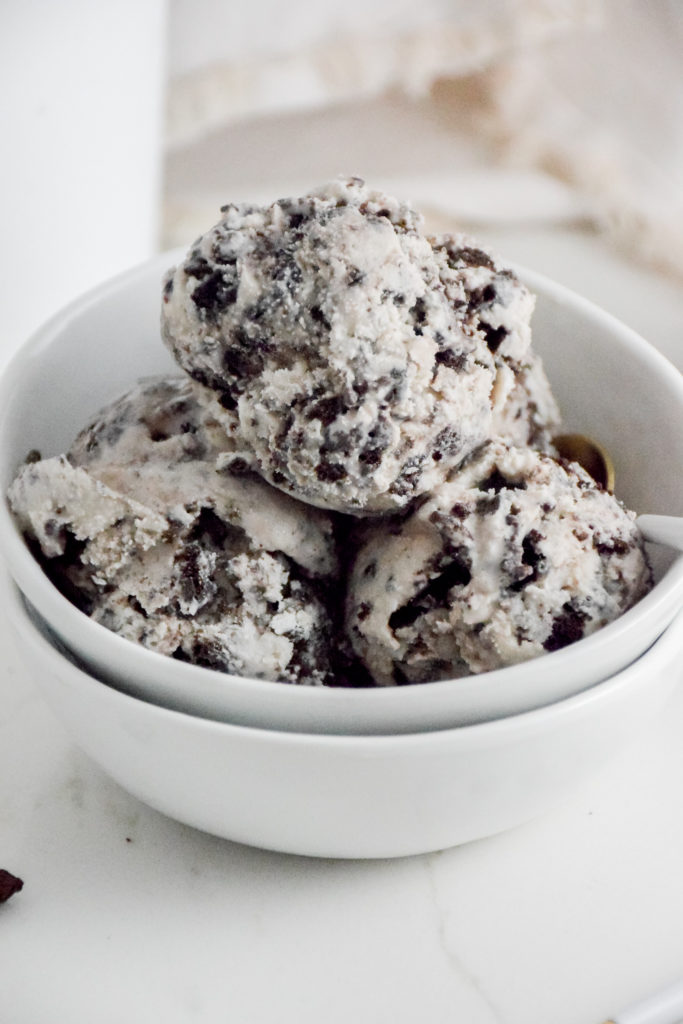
x=325, y=323
x=206, y=564
x=515, y=556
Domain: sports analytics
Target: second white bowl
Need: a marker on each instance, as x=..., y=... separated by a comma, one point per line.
x=349, y=796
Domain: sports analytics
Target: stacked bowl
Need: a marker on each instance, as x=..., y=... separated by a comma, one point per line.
x=349, y=772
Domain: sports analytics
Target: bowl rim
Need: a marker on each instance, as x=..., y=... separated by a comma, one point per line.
x=538, y=671
x=658, y=655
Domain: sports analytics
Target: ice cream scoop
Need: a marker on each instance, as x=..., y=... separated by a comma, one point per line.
x=516, y=555
x=357, y=357
x=176, y=544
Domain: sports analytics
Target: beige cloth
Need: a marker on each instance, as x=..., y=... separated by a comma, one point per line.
x=589, y=91
x=604, y=111
x=230, y=60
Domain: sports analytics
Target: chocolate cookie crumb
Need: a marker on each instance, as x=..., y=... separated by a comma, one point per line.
x=9, y=885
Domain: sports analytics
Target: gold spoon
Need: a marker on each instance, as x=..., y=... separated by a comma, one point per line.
x=666, y=530
x=589, y=454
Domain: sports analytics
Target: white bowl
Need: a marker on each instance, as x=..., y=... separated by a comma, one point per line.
x=349, y=796
x=610, y=383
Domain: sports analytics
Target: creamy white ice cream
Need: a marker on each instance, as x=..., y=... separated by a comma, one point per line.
x=514, y=556
x=324, y=323
x=172, y=541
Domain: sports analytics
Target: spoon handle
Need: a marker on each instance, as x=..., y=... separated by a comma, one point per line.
x=664, y=1007
x=667, y=530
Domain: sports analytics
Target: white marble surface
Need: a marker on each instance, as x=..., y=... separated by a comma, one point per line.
x=128, y=916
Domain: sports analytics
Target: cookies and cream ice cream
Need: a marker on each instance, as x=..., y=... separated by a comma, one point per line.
x=325, y=324
x=176, y=544
x=514, y=556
